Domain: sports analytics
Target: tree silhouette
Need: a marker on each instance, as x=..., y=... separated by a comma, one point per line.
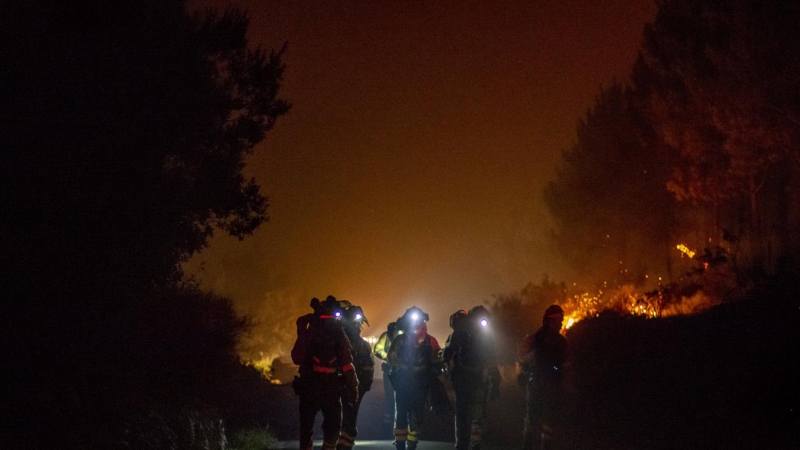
x=720, y=86
x=125, y=129
x=608, y=199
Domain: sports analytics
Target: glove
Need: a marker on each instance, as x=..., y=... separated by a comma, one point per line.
x=298, y=385
x=350, y=388
x=351, y=395
x=366, y=384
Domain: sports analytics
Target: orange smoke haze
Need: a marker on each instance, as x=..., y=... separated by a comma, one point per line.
x=411, y=167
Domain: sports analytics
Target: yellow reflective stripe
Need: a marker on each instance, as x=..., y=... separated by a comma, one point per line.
x=400, y=434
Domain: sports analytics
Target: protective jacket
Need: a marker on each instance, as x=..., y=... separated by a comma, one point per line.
x=544, y=356
x=413, y=364
x=326, y=366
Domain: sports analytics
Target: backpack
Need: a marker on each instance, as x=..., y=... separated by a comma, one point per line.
x=323, y=350
x=315, y=345
x=305, y=334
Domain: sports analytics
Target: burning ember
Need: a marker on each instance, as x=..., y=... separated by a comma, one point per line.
x=628, y=300
x=685, y=250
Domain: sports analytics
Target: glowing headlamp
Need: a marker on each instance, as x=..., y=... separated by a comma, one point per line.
x=337, y=314
x=414, y=316
x=484, y=323
x=359, y=316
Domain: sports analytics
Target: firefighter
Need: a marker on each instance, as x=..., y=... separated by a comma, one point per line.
x=544, y=362
x=381, y=351
x=470, y=358
x=352, y=320
x=414, y=359
x=324, y=355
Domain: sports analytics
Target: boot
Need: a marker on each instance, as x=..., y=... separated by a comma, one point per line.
x=400, y=438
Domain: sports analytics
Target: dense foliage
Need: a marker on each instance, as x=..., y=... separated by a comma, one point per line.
x=701, y=149
x=609, y=198
x=125, y=127
x=725, y=378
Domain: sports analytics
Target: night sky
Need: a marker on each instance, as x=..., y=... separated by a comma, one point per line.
x=411, y=167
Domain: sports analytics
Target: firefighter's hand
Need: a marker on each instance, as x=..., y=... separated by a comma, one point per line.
x=351, y=395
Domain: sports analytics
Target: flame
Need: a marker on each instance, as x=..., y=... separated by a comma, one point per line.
x=685, y=250
x=625, y=299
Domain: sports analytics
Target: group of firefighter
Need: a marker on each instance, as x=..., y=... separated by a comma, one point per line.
x=337, y=369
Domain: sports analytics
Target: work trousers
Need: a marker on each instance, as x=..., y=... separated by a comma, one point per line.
x=388, y=395
x=350, y=423
x=320, y=392
x=541, y=411
x=411, y=391
x=470, y=413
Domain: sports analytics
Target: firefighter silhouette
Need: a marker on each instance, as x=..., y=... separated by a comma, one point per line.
x=324, y=355
x=544, y=361
x=352, y=320
x=381, y=351
x=413, y=357
x=469, y=357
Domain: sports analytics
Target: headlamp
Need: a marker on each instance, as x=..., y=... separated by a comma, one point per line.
x=414, y=316
x=359, y=316
x=337, y=314
x=484, y=323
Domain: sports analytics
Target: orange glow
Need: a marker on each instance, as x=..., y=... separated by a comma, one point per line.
x=627, y=300
x=685, y=250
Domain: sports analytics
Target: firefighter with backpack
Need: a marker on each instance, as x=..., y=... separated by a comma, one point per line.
x=352, y=320
x=414, y=360
x=469, y=357
x=324, y=355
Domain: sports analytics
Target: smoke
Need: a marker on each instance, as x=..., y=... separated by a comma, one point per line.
x=272, y=332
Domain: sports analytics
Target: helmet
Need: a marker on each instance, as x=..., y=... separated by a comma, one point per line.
x=480, y=315
x=330, y=308
x=354, y=314
x=457, y=318
x=412, y=316
x=553, y=311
